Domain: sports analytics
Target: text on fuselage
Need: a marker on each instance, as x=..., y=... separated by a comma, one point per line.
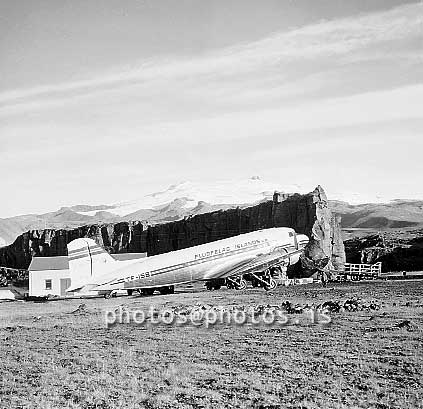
x=227, y=249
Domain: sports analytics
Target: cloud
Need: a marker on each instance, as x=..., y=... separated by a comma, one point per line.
x=274, y=106
x=243, y=63
x=78, y=142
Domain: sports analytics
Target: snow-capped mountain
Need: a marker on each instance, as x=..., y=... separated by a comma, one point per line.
x=226, y=192
x=186, y=198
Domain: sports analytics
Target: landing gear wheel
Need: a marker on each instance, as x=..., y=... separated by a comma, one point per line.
x=241, y=285
x=271, y=285
x=107, y=295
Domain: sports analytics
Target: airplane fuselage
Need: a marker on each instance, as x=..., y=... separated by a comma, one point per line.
x=210, y=261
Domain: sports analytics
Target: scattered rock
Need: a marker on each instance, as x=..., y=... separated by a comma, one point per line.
x=333, y=306
x=408, y=325
x=82, y=309
x=350, y=305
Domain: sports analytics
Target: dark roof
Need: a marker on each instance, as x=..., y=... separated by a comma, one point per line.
x=49, y=263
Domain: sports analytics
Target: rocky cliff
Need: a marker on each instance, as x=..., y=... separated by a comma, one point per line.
x=308, y=214
x=397, y=250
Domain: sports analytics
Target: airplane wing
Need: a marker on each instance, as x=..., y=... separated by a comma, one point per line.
x=255, y=263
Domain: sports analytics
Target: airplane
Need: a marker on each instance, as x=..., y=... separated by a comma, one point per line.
x=260, y=255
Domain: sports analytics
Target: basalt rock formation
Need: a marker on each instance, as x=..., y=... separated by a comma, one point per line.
x=122, y=237
x=397, y=250
x=308, y=214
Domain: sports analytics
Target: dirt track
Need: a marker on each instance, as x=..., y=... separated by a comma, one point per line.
x=59, y=354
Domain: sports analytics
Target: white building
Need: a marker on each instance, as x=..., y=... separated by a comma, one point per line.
x=49, y=276
x=52, y=276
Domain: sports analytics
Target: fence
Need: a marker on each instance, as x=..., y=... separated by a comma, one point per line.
x=357, y=272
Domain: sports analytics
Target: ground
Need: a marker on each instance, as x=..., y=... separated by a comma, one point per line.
x=56, y=355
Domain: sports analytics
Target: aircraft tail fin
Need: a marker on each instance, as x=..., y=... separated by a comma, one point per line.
x=87, y=260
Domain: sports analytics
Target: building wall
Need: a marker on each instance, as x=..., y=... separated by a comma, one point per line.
x=37, y=285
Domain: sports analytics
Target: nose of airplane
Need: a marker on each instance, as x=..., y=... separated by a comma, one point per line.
x=303, y=240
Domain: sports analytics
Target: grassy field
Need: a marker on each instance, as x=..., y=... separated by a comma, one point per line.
x=55, y=355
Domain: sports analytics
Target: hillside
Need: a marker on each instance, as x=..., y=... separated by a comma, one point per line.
x=393, y=215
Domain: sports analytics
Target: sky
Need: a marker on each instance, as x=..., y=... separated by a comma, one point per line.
x=105, y=101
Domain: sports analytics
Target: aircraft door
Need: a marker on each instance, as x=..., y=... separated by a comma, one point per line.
x=65, y=283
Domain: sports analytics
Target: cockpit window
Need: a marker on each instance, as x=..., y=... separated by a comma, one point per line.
x=291, y=234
